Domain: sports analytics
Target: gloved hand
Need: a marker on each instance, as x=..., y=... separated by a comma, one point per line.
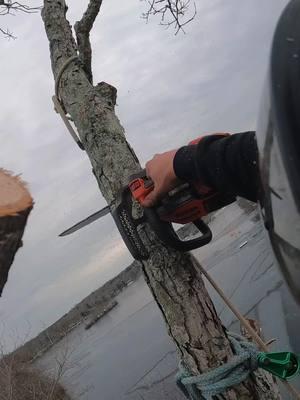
x=161, y=171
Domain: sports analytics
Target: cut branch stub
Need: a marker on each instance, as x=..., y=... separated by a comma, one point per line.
x=15, y=206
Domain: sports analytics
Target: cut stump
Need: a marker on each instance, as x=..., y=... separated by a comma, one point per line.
x=15, y=206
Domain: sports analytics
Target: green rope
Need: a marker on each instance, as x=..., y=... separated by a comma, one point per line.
x=216, y=381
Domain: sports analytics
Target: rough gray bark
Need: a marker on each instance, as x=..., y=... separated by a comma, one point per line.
x=172, y=277
x=15, y=206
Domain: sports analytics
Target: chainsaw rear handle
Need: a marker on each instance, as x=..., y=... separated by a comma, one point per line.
x=166, y=233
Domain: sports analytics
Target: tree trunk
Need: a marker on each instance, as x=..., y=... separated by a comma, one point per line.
x=172, y=277
x=15, y=206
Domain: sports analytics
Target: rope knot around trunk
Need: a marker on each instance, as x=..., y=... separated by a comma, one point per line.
x=218, y=380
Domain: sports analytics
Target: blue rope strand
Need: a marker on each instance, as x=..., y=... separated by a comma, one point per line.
x=216, y=381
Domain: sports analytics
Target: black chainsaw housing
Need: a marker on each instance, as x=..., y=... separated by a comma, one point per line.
x=128, y=228
x=128, y=225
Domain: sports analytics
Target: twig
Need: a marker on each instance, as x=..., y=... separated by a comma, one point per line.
x=7, y=34
x=6, y=7
x=10, y=7
x=171, y=12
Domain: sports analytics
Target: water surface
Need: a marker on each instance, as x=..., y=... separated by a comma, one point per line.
x=128, y=354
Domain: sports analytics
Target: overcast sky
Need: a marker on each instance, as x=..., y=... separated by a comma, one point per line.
x=171, y=89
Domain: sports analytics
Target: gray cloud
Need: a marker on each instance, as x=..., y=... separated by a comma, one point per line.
x=170, y=90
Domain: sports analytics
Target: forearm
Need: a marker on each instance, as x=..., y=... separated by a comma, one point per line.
x=227, y=164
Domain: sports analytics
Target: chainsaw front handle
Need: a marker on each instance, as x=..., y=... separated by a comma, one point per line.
x=167, y=234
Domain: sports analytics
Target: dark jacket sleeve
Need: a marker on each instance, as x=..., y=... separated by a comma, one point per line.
x=227, y=164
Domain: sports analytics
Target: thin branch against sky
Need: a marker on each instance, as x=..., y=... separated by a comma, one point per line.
x=10, y=7
x=172, y=13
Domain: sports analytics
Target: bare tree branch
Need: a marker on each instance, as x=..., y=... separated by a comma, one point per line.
x=83, y=29
x=7, y=33
x=10, y=7
x=20, y=380
x=172, y=12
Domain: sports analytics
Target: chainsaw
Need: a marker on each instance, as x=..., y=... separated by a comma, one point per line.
x=187, y=203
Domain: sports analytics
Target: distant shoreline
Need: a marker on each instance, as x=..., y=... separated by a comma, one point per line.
x=86, y=310
x=94, y=304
